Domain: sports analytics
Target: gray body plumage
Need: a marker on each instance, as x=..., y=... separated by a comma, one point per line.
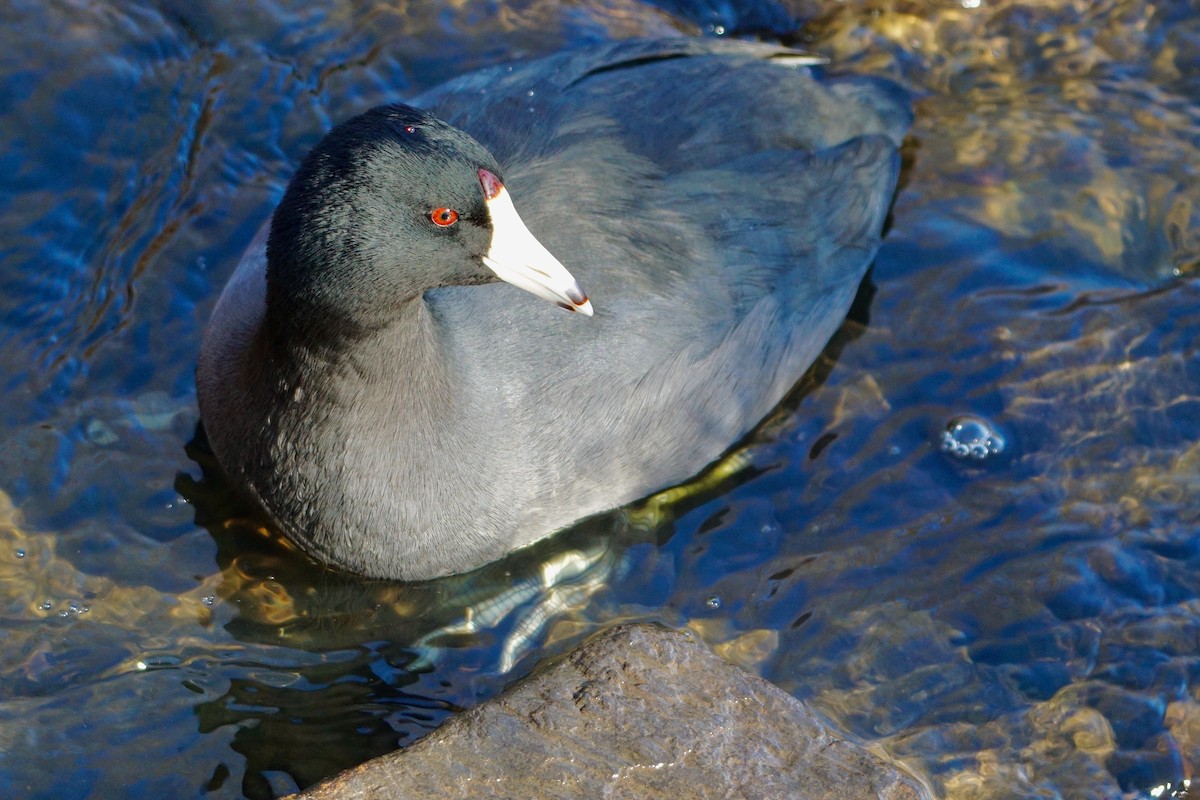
x=719, y=208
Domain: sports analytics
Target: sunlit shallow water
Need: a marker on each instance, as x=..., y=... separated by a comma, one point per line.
x=1025, y=624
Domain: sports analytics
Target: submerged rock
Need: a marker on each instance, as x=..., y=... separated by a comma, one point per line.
x=637, y=712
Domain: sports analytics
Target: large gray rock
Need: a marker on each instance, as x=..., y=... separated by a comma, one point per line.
x=637, y=712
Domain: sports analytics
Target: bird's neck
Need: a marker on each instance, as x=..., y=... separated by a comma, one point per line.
x=401, y=355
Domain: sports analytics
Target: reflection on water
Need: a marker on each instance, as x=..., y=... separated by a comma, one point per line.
x=1021, y=625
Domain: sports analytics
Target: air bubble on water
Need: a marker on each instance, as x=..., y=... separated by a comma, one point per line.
x=47, y=605
x=20, y=553
x=100, y=433
x=159, y=662
x=713, y=602
x=969, y=436
x=208, y=599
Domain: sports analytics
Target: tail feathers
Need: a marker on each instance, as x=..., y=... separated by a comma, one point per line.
x=888, y=107
x=812, y=220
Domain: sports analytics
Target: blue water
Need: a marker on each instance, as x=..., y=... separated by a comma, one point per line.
x=1026, y=624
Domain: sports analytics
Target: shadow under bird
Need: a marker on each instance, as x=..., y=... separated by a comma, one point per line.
x=376, y=379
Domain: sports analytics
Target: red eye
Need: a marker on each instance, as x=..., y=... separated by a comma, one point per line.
x=444, y=216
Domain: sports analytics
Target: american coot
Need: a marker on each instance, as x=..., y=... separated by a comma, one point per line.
x=400, y=413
